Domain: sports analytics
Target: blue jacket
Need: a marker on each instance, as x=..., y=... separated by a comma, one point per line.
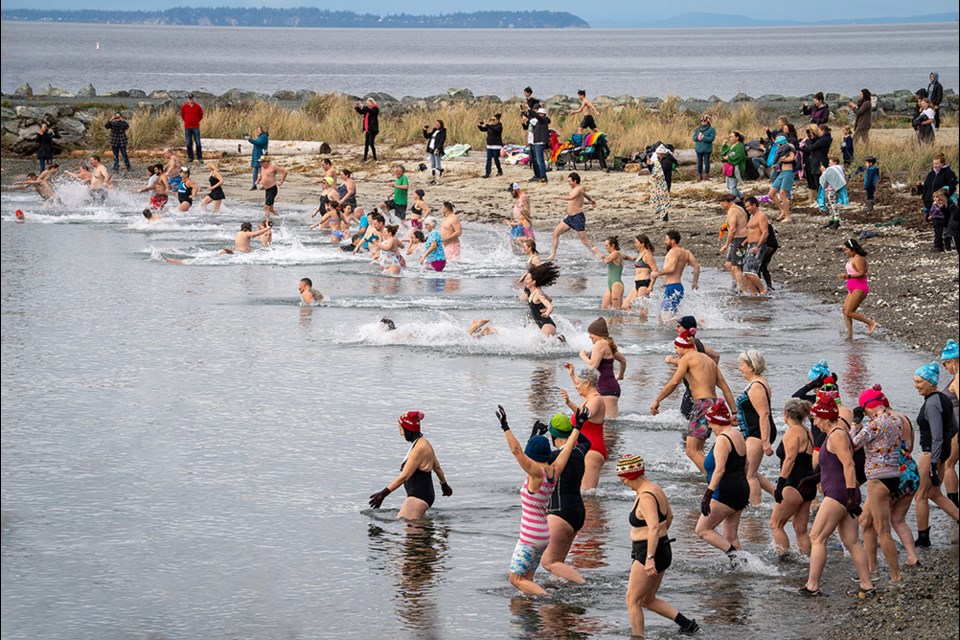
x=705, y=145
x=259, y=148
x=871, y=177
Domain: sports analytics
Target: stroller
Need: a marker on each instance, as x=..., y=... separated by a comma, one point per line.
x=583, y=148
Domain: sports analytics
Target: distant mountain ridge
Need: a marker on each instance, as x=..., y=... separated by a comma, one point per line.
x=305, y=17
x=702, y=19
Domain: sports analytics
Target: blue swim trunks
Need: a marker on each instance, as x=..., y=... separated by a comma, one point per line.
x=784, y=181
x=526, y=558
x=577, y=222
x=672, y=295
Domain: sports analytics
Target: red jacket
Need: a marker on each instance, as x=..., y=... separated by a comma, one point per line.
x=191, y=115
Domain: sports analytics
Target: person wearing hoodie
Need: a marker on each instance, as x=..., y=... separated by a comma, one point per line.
x=941, y=177
x=935, y=95
x=863, y=108
x=260, y=139
x=703, y=137
x=819, y=112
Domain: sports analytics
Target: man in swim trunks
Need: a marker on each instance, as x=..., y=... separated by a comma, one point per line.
x=754, y=251
x=704, y=377
x=241, y=244
x=39, y=184
x=100, y=180
x=736, y=234
x=268, y=179
x=450, y=231
x=159, y=185
x=309, y=295
x=172, y=168
x=588, y=110
x=674, y=263
x=575, y=219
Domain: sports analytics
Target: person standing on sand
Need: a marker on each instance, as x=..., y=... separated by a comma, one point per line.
x=820, y=111
x=117, y=127
x=736, y=235
x=863, y=108
x=935, y=95
x=674, y=262
x=450, y=232
x=857, y=287
x=660, y=184
x=703, y=137
x=781, y=191
x=371, y=126
x=494, y=130
x=268, y=178
x=436, y=139
x=192, y=113
x=44, y=139
x=260, y=140
x=575, y=218
x=588, y=110
x=734, y=156
x=703, y=377
x=539, y=124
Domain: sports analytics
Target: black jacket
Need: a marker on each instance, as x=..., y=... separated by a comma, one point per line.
x=441, y=139
x=371, y=118
x=818, y=150
x=45, y=142
x=541, y=130
x=936, y=93
x=494, y=134
x=937, y=181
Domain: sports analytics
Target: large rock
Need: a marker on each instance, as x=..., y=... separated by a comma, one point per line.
x=741, y=97
x=23, y=91
x=460, y=94
x=87, y=91
x=28, y=115
x=384, y=98
x=153, y=95
x=306, y=95
x=49, y=91
x=489, y=99
x=64, y=111
x=137, y=93
x=284, y=95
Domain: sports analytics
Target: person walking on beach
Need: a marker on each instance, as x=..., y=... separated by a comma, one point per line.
x=781, y=191
x=259, y=140
x=436, y=138
x=575, y=218
x=117, y=127
x=736, y=235
x=535, y=493
x=754, y=254
x=371, y=126
x=450, y=232
x=857, y=287
x=494, y=130
x=660, y=183
x=416, y=472
x=734, y=156
x=588, y=110
x=819, y=112
x=703, y=137
x=650, y=520
x=539, y=124
x=703, y=376
x=863, y=109
x=192, y=113
x=44, y=139
x=674, y=263
x=935, y=95
x=925, y=123
x=268, y=179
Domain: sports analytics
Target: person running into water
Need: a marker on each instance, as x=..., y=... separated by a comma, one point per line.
x=391, y=261
x=450, y=231
x=937, y=426
x=416, y=472
x=37, y=183
x=535, y=493
x=309, y=295
x=643, y=265
x=186, y=190
x=575, y=220
x=433, y=254
x=796, y=463
x=157, y=183
x=704, y=377
x=268, y=180
x=215, y=190
x=674, y=263
x=727, y=491
x=650, y=519
x=601, y=358
x=241, y=244
x=840, y=506
x=592, y=426
x=613, y=296
x=521, y=213
x=857, y=287
x=541, y=307
x=689, y=323
x=566, y=513
x=755, y=419
x=754, y=254
x=736, y=235
x=100, y=180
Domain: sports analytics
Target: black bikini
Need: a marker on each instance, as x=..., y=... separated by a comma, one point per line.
x=663, y=557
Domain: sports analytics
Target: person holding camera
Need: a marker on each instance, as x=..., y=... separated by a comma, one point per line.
x=371, y=126
x=118, y=140
x=436, y=138
x=494, y=130
x=260, y=140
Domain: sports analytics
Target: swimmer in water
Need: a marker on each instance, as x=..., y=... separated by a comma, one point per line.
x=541, y=307
x=266, y=238
x=309, y=295
x=480, y=328
x=241, y=243
x=415, y=472
x=152, y=216
x=39, y=184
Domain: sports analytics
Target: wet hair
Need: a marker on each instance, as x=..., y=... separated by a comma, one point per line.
x=754, y=359
x=581, y=92
x=673, y=235
x=797, y=410
x=854, y=246
x=307, y=281
x=376, y=215
x=737, y=135
x=751, y=200
x=544, y=274
x=818, y=96
x=419, y=236
x=573, y=175
x=645, y=241
x=530, y=242
x=448, y=206
x=392, y=229
x=389, y=324
x=246, y=226
x=147, y=214
x=31, y=175
x=614, y=241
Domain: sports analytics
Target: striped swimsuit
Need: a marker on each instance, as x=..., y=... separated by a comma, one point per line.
x=534, y=531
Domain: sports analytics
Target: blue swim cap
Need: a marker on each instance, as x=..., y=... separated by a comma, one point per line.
x=951, y=351
x=818, y=370
x=929, y=372
x=538, y=449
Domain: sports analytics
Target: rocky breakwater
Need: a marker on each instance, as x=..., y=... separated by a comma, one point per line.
x=21, y=124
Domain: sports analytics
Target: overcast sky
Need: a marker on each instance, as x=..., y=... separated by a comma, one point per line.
x=593, y=12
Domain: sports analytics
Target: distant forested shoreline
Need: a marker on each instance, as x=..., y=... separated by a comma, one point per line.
x=304, y=17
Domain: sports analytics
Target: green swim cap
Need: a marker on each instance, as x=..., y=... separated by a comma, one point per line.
x=560, y=426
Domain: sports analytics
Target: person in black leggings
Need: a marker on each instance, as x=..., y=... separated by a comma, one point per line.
x=371, y=126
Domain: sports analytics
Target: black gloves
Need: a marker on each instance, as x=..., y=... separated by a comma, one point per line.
x=580, y=417
x=778, y=492
x=853, y=504
x=705, y=502
x=377, y=499
x=446, y=489
x=539, y=429
x=502, y=417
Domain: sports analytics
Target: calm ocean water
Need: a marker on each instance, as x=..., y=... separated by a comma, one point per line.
x=684, y=62
x=187, y=453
